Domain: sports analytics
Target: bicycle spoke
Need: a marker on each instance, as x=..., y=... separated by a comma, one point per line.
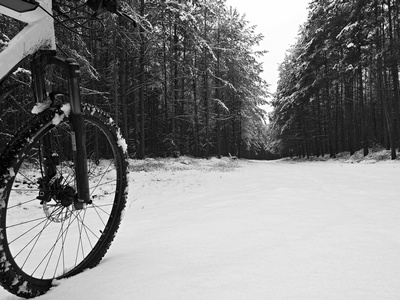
x=107, y=214
x=50, y=252
x=36, y=237
x=80, y=221
x=80, y=243
x=24, y=223
x=22, y=203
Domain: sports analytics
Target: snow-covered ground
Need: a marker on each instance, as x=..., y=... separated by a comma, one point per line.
x=226, y=230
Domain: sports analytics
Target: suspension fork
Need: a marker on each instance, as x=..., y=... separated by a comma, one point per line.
x=49, y=167
x=78, y=136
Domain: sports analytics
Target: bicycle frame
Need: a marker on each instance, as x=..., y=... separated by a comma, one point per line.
x=38, y=34
x=38, y=39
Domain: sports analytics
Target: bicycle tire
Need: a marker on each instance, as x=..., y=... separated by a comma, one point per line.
x=44, y=242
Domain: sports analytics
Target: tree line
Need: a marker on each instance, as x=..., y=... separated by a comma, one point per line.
x=338, y=86
x=185, y=80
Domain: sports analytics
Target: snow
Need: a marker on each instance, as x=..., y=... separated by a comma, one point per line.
x=19, y=70
x=121, y=142
x=236, y=229
x=57, y=119
x=41, y=106
x=66, y=109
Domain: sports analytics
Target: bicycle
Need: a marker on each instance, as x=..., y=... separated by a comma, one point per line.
x=63, y=176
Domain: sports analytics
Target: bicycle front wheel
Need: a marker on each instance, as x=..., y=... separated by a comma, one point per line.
x=42, y=236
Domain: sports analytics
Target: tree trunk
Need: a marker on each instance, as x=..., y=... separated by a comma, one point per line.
x=217, y=96
x=364, y=129
x=349, y=106
x=123, y=81
x=206, y=100
x=141, y=84
x=393, y=61
x=115, y=78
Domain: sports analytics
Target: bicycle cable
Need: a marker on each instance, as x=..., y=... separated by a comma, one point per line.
x=74, y=21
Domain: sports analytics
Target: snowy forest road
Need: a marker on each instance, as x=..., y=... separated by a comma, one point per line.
x=226, y=230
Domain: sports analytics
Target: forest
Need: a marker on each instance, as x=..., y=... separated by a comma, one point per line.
x=184, y=80
x=338, y=86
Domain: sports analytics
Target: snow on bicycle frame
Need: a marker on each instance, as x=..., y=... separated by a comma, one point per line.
x=38, y=34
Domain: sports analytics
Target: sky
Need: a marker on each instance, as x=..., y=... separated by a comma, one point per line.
x=279, y=22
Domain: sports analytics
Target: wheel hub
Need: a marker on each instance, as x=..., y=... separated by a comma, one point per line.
x=56, y=199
